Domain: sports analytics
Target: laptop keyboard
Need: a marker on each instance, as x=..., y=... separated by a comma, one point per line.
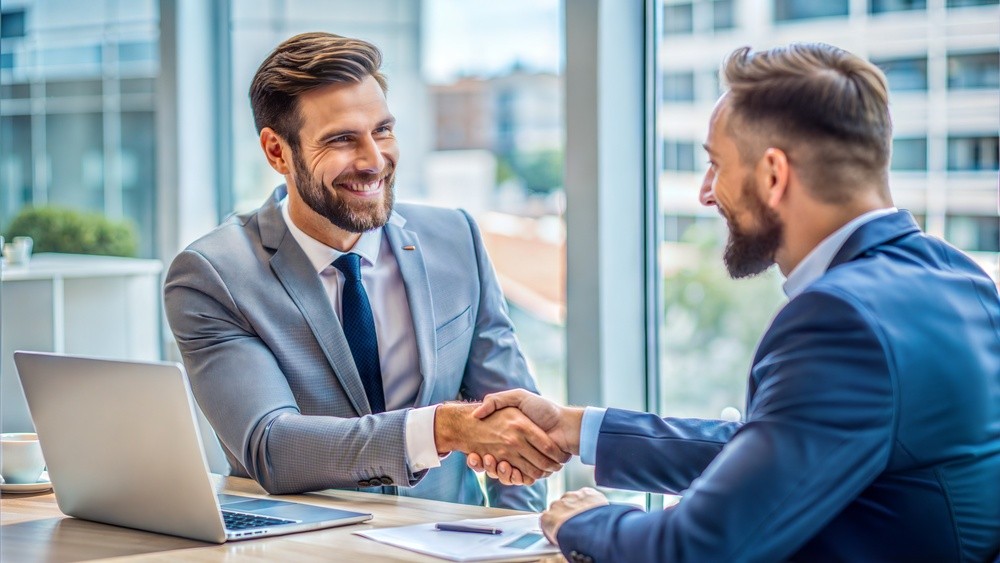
x=243, y=521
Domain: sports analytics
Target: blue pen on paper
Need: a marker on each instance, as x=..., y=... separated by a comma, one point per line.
x=470, y=528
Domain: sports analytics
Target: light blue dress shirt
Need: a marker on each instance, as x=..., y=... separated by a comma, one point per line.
x=810, y=269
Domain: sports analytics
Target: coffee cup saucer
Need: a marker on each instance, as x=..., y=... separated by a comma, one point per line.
x=43, y=484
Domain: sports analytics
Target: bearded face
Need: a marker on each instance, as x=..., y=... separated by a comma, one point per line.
x=750, y=249
x=343, y=202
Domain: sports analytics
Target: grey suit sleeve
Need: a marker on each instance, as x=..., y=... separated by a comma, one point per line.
x=239, y=384
x=497, y=364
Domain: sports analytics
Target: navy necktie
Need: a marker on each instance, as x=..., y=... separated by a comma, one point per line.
x=359, y=328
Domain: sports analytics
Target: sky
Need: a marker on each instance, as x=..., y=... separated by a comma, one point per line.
x=486, y=37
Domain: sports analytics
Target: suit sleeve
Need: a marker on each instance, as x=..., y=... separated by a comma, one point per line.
x=244, y=394
x=819, y=431
x=497, y=364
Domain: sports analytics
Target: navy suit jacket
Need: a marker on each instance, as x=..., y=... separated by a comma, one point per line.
x=872, y=430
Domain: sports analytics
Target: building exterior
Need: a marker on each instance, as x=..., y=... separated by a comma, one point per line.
x=77, y=108
x=942, y=61
x=517, y=112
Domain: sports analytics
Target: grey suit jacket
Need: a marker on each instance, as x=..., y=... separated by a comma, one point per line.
x=271, y=368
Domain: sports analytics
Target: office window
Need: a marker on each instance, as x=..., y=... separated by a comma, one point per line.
x=973, y=153
x=974, y=70
x=15, y=164
x=89, y=154
x=909, y=154
x=974, y=233
x=12, y=24
x=882, y=6
x=679, y=156
x=678, y=86
x=678, y=19
x=723, y=14
x=964, y=3
x=789, y=10
x=905, y=74
x=72, y=88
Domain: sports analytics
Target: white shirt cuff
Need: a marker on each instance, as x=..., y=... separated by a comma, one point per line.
x=421, y=452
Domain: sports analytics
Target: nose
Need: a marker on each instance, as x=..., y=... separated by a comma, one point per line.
x=707, y=196
x=369, y=157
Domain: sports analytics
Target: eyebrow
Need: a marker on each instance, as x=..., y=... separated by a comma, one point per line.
x=707, y=148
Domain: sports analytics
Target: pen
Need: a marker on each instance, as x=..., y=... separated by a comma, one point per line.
x=471, y=528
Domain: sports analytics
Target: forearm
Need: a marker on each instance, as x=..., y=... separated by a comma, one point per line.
x=294, y=453
x=641, y=451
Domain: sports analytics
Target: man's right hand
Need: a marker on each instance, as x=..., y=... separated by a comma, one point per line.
x=508, y=434
x=562, y=424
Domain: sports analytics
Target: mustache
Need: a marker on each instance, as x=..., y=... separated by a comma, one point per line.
x=365, y=178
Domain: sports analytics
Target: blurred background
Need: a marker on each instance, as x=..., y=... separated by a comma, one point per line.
x=135, y=113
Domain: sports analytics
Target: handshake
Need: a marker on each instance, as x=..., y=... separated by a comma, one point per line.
x=514, y=436
x=533, y=437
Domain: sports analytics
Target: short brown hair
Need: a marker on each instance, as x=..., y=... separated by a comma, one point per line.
x=825, y=107
x=304, y=62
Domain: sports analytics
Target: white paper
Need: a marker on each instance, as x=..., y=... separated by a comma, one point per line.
x=465, y=546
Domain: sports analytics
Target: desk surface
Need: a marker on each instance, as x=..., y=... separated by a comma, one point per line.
x=33, y=529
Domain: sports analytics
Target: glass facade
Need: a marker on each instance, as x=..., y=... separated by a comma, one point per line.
x=76, y=132
x=881, y=6
x=905, y=74
x=789, y=10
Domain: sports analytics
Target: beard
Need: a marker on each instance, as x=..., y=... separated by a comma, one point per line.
x=353, y=216
x=750, y=253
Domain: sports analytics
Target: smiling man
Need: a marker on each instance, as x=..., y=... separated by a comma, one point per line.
x=323, y=330
x=872, y=426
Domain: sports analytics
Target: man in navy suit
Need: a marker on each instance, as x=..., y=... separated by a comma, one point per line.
x=872, y=427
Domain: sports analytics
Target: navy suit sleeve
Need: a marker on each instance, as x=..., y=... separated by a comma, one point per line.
x=639, y=451
x=818, y=432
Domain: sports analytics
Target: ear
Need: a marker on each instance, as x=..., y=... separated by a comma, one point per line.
x=277, y=151
x=775, y=175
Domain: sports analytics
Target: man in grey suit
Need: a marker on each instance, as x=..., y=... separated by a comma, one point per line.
x=327, y=331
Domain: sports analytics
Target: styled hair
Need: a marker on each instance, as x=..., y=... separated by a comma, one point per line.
x=304, y=62
x=825, y=107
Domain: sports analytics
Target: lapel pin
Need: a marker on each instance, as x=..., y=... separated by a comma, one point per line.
x=409, y=248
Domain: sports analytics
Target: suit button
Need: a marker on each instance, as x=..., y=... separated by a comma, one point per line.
x=362, y=483
x=386, y=480
x=375, y=482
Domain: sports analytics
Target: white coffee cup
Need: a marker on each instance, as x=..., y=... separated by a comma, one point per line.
x=20, y=458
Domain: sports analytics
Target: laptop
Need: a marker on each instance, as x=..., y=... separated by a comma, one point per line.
x=122, y=446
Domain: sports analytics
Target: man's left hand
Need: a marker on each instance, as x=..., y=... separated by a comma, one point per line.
x=571, y=504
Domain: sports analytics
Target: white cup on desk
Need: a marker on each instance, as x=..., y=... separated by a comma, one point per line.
x=18, y=251
x=21, y=458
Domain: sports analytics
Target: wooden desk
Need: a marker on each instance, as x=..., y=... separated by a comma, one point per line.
x=33, y=529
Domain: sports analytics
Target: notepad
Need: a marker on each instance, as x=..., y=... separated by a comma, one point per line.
x=521, y=538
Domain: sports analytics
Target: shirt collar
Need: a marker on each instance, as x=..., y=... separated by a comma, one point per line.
x=812, y=267
x=321, y=255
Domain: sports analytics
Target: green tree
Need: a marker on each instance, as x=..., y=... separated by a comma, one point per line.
x=711, y=326
x=65, y=230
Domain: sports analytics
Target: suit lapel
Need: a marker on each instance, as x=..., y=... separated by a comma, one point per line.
x=418, y=294
x=296, y=274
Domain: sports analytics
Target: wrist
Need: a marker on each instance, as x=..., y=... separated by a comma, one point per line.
x=574, y=422
x=449, y=421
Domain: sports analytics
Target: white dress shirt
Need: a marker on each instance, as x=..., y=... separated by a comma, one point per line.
x=810, y=269
x=397, y=340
